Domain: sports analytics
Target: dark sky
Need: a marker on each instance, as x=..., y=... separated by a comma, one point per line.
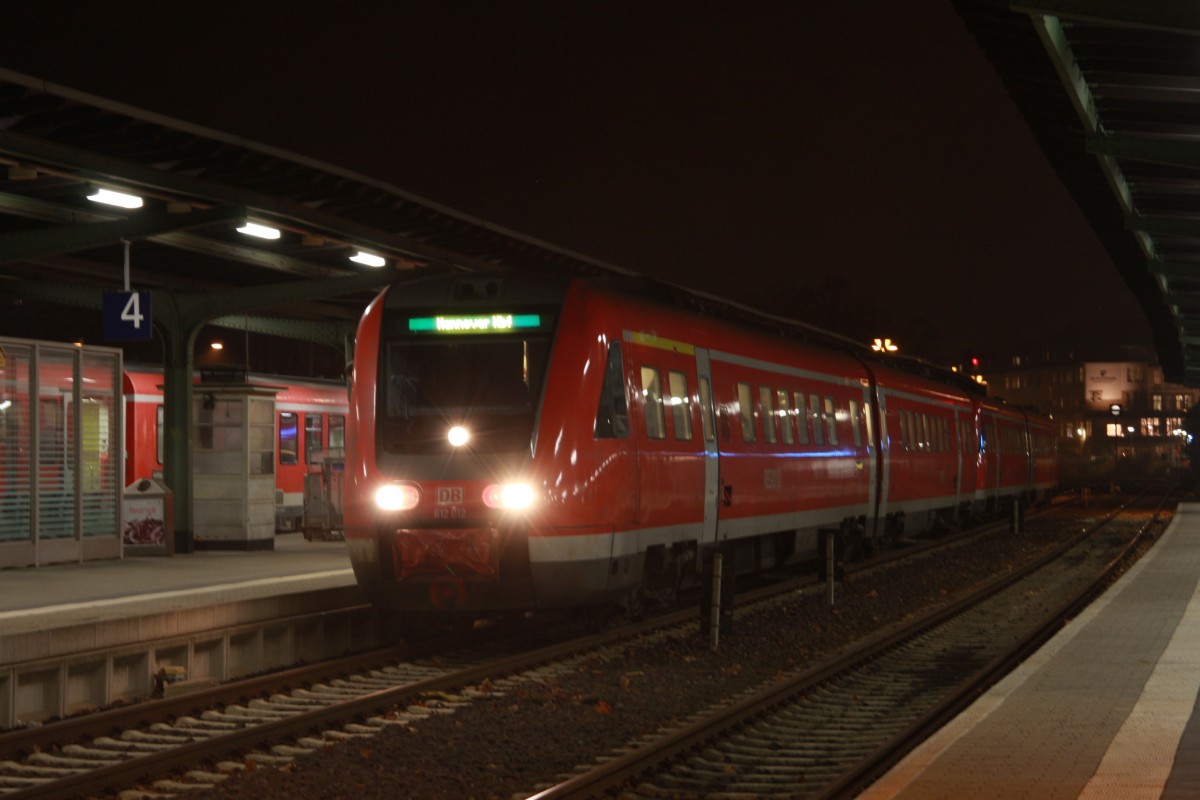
x=854, y=165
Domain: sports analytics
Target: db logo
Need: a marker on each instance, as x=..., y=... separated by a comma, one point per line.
x=450, y=495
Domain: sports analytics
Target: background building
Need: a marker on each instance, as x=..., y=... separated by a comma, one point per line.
x=1115, y=413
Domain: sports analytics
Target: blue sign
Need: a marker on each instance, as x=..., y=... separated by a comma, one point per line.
x=127, y=316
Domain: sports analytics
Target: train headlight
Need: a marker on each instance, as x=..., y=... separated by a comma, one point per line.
x=508, y=496
x=458, y=436
x=397, y=497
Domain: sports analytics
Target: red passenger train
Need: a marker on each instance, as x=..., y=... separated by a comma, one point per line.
x=310, y=418
x=519, y=442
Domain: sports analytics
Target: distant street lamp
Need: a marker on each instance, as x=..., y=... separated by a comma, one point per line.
x=884, y=346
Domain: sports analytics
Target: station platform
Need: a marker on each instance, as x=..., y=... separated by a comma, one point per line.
x=38, y=598
x=75, y=637
x=1106, y=709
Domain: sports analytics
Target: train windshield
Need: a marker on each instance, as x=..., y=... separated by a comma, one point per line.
x=488, y=384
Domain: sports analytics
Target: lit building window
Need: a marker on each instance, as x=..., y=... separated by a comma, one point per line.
x=1114, y=430
x=1156, y=402
x=1151, y=426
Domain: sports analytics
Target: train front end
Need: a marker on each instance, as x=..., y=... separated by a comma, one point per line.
x=448, y=378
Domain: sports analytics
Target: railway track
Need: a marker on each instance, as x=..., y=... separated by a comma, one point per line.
x=829, y=732
x=272, y=719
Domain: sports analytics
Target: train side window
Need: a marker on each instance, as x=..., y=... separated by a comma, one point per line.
x=656, y=427
x=681, y=405
x=814, y=407
x=337, y=431
x=746, y=409
x=313, y=439
x=830, y=421
x=870, y=425
x=801, y=414
x=706, y=414
x=612, y=416
x=785, y=415
x=905, y=434
x=158, y=432
x=854, y=429
x=944, y=427
x=768, y=414
x=289, y=437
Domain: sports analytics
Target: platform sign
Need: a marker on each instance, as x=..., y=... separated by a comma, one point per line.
x=127, y=316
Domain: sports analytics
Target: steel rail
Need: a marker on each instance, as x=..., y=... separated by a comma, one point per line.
x=614, y=773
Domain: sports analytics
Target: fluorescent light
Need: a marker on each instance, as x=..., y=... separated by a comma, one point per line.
x=109, y=197
x=5, y=405
x=261, y=231
x=369, y=259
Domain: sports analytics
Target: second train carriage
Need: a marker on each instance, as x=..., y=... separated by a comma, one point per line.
x=310, y=421
x=524, y=442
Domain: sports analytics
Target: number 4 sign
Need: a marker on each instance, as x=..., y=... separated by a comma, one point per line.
x=127, y=316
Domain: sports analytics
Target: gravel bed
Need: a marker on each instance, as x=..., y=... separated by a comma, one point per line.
x=508, y=745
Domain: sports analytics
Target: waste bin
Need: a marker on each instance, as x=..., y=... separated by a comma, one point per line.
x=148, y=519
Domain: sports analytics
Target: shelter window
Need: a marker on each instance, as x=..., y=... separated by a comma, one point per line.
x=652, y=402
x=746, y=409
x=681, y=405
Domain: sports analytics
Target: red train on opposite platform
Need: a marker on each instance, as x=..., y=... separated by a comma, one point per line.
x=310, y=418
x=519, y=442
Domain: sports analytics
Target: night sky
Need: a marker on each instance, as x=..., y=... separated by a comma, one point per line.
x=855, y=166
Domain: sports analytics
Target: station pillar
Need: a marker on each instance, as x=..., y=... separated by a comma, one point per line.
x=233, y=473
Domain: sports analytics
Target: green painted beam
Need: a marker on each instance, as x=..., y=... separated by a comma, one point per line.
x=1176, y=269
x=60, y=239
x=1170, y=226
x=1161, y=15
x=1136, y=148
x=332, y=334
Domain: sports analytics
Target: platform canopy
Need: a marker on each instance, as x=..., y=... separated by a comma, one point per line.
x=196, y=188
x=1111, y=91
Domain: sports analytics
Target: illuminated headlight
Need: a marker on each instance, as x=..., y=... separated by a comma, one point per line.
x=510, y=496
x=458, y=436
x=397, y=497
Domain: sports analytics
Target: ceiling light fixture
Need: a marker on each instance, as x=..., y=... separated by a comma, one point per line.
x=261, y=231
x=111, y=198
x=369, y=259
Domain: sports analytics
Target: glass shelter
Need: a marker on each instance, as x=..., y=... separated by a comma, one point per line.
x=61, y=455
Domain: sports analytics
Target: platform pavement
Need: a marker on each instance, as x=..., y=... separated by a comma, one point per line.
x=1106, y=709
x=42, y=597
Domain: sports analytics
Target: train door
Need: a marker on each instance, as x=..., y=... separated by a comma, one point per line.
x=884, y=472
x=708, y=427
x=959, y=446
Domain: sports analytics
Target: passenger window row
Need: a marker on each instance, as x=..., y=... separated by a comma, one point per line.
x=925, y=432
x=793, y=418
